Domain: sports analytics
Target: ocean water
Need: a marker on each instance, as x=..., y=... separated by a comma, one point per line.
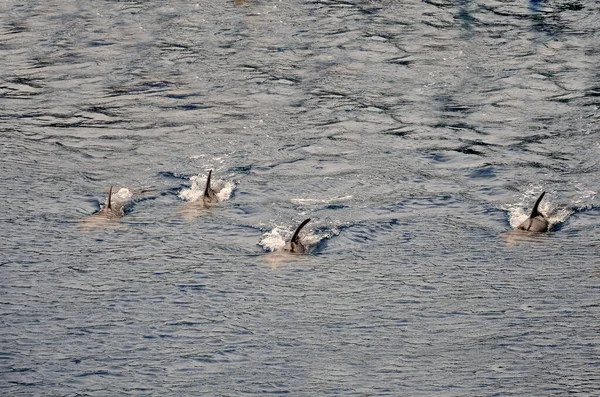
x=416, y=135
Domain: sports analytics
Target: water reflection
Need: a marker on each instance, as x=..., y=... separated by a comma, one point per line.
x=465, y=15
x=534, y=5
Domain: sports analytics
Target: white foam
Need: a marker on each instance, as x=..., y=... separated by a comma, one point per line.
x=123, y=194
x=196, y=191
x=227, y=188
x=273, y=240
x=120, y=198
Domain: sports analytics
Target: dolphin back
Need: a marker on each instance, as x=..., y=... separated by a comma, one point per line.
x=210, y=196
x=535, y=212
x=109, y=200
x=207, y=189
x=536, y=222
x=297, y=232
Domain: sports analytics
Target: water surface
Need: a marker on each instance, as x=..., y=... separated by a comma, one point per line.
x=414, y=134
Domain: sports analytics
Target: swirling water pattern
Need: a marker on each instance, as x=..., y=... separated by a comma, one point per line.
x=414, y=134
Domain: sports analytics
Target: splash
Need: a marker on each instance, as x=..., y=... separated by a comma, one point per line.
x=223, y=188
x=274, y=240
x=226, y=190
x=122, y=196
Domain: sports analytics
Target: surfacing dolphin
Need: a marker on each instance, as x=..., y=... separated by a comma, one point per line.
x=199, y=206
x=109, y=213
x=109, y=210
x=536, y=222
x=295, y=246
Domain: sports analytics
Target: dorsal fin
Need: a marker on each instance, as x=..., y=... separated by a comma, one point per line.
x=207, y=188
x=534, y=211
x=295, y=236
x=109, y=200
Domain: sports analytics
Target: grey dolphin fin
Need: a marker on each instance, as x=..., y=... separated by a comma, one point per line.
x=297, y=232
x=207, y=189
x=534, y=211
x=109, y=200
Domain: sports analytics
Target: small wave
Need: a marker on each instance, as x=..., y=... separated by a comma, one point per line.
x=308, y=201
x=586, y=197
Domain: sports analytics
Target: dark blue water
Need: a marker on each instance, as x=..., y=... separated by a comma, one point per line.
x=415, y=135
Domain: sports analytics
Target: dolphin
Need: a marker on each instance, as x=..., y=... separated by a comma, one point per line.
x=210, y=196
x=111, y=211
x=536, y=222
x=105, y=216
x=295, y=246
x=199, y=206
x=108, y=210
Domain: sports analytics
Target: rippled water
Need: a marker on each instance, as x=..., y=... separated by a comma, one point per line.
x=415, y=135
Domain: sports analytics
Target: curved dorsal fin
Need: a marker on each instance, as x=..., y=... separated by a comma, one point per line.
x=207, y=188
x=295, y=236
x=534, y=211
x=109, y=200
